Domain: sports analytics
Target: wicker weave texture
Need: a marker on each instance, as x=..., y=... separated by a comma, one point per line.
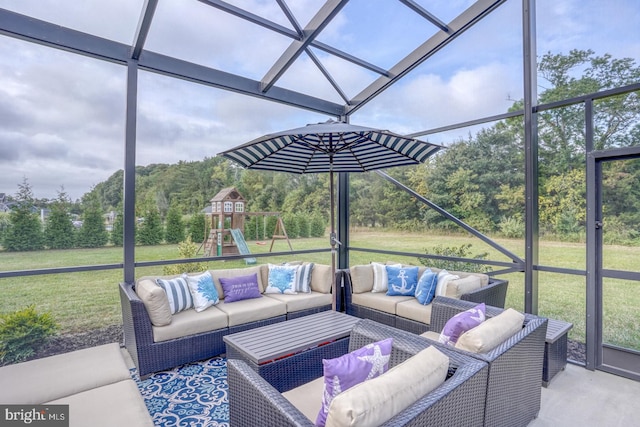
x=150, y=357
x=301, y=313
x=457, y=402
x=555, y=356
x=513, y=391
x=494, y=294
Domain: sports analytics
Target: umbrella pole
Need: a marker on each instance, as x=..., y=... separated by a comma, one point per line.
x=332, y=241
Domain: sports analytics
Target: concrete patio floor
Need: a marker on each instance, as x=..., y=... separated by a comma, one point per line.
x=582, y=398
x=579, y=397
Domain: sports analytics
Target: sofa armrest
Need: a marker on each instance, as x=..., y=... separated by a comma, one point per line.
x=347, y=288
x=494, y=294
x=532, y=334
x=254, y=402
x=136, y=323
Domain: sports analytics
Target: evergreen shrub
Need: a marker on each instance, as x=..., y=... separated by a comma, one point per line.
x=462, y=251
x=22, y=333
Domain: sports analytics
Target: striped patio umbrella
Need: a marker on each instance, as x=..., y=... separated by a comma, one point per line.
x=331, y=147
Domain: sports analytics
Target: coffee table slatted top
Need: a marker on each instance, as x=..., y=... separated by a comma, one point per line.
x=267, y=343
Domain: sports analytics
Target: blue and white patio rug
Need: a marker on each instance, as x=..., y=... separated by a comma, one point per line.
x=193, y=395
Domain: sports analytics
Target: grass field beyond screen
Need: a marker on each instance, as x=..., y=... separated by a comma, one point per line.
x=89, y=300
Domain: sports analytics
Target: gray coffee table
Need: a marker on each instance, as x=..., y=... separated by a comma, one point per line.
x=289, y=354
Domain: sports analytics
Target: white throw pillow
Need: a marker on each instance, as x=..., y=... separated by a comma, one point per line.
x=203, y=290
x=380, y=277
x=282, y=279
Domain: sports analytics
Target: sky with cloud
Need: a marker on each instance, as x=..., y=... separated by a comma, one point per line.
x=62, y=116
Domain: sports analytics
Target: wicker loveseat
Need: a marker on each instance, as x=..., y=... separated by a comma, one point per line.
x=193, y=336
x=405, y=312
x=459, y=401
x=515, y=366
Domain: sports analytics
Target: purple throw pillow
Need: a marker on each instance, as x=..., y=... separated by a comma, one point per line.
x=241, y=287
x=353, y=368
x=461, y=323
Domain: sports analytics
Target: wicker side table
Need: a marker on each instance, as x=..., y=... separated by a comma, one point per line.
x=555, y=349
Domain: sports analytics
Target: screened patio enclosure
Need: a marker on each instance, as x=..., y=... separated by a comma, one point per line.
x=431, y=70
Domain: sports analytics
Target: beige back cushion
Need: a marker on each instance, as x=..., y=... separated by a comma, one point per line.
x=492, y=332
x=484, y=279
x=361, y=278
x=456, y=288
x=376, y=401
x=321, y=278
x=155, y=301
x=236, y=272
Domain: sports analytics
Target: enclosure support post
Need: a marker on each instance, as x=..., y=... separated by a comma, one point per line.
x=531, y=156
x=594, y=242
x=129, y=190
x=343, y=220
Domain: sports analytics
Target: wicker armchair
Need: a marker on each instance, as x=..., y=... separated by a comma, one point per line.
x=459, y=401
x=515, y=366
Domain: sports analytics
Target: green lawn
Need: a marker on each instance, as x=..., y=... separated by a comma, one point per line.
x=87, y=300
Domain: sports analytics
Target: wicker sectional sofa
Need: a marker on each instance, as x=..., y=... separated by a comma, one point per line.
x=192, y=335
x=405, y=312
x=458, y=401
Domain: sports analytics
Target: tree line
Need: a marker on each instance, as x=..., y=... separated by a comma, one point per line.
x=479, y=179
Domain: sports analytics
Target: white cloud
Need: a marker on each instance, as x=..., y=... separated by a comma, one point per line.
x=62, y=116
x=428, y=101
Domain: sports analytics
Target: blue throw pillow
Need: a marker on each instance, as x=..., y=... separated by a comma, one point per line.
x=426, y=289
x=402, y=280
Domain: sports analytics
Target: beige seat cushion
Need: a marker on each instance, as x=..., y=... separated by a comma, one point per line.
x=432, y=335
x=321, y=278
x=302, y=301
x=376, y=401
x=117, y=404
x=155, y=301
x=251, y=310
x=412, y=309
x=307, y=398
x=41, y=380
x=189, y=322
x=492, y=332
x=379, y=301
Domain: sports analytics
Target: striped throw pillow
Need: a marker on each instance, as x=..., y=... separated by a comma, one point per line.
x=178, y=293
x=303, y=278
